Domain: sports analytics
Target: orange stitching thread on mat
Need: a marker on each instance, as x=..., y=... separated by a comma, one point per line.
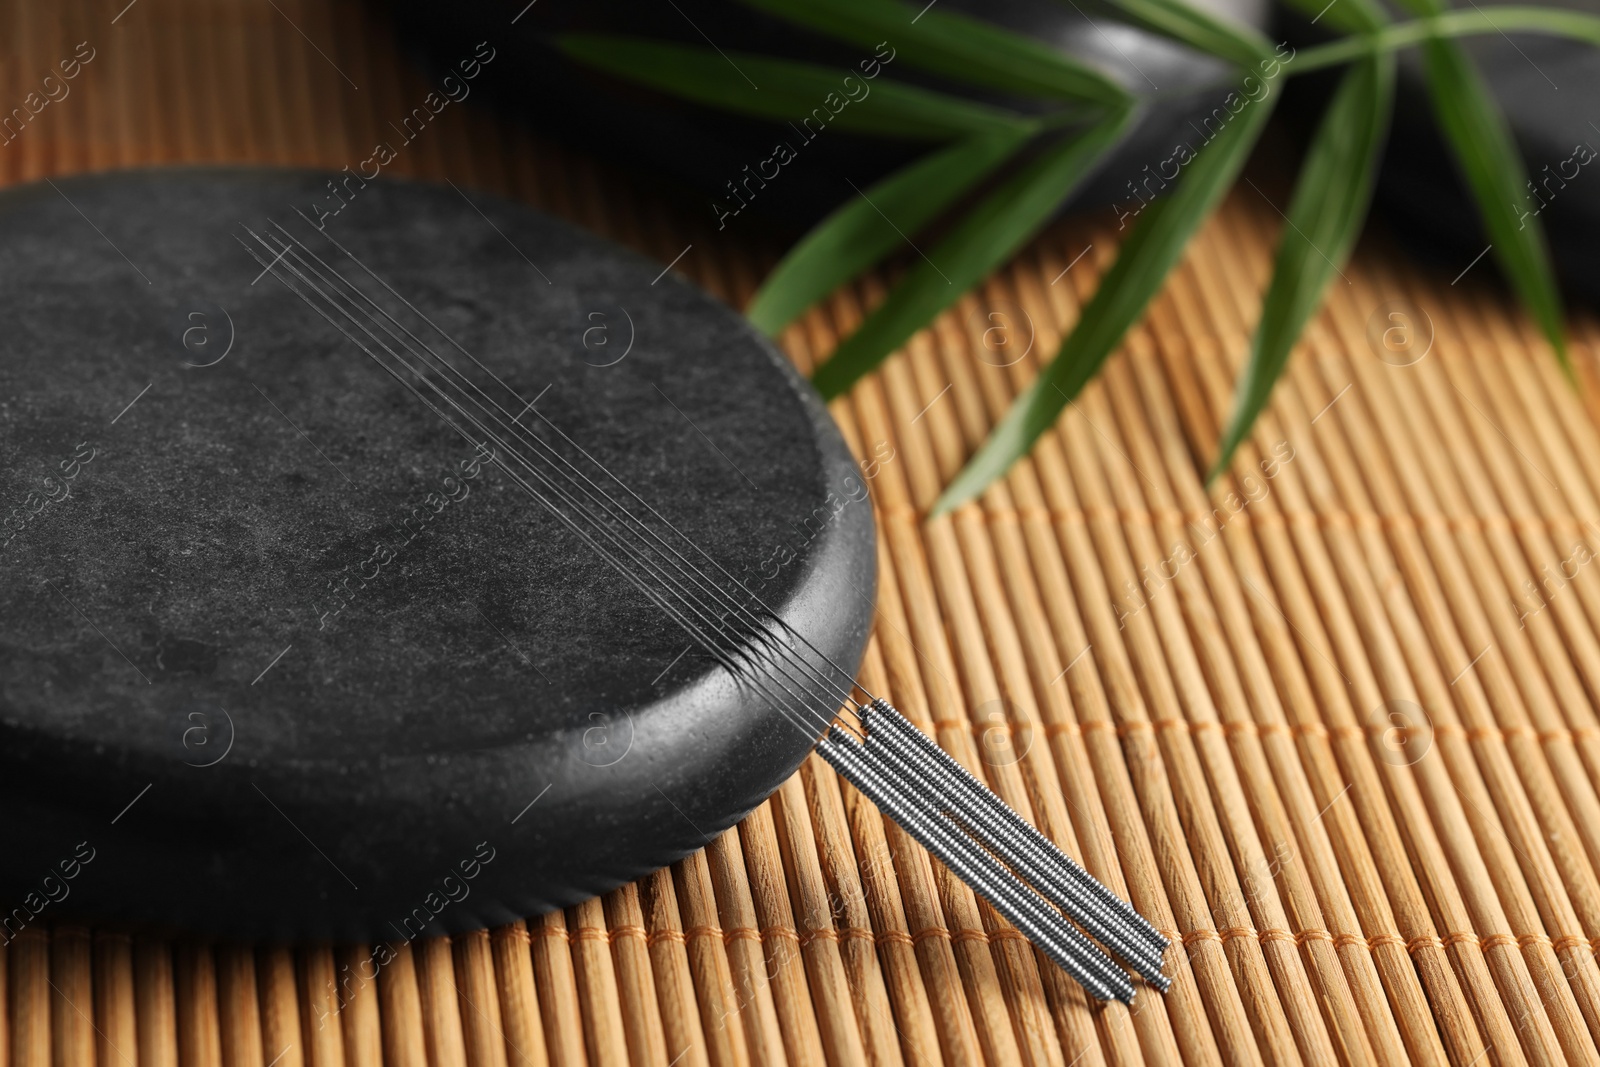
x=666, y=934
x=1126, y=516
x=1412, y=946
x=837, y=934
x=1479, y=733
x=633, y=930
x=555, y=933
x=1007, y=934
x=1192, y=936
x=919, y=936
x=863, y=933
x=1341, y=520
x=821, y=933
x=780, y=931
x=705, y=930
x=1342, y=732
x=695, y=933
x=969, y=935
x=916, y=937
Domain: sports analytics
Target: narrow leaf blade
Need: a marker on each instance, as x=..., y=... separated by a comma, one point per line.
x=1551, y=21
x=1489, y=160
x=1146, y=258
x=1181, y=21
x=1343, y=16
x=1556, y=21
x=809, y=97
x=1481, y=141
x=1324, y=219
x=872, y=224
x=982, y=240
x=967, y=49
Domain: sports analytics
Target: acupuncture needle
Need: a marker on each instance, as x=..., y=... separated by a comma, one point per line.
x=1016, y=890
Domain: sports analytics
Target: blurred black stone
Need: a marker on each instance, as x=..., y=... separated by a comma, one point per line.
x=703, y=148
x=495, y=723
x=1549, y=89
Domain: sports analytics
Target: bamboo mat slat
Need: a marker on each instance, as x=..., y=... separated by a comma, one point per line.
x=1330, y=722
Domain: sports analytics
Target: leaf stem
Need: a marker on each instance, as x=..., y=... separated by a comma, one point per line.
x=1546, y=20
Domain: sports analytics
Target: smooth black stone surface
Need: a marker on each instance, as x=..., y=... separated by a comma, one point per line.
x=178, y=698
x=706, y=148
x=1549, y=89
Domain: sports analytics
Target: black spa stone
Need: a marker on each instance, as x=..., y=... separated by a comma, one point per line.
x=198, y=731
x=1549, y=90
x=708, y=149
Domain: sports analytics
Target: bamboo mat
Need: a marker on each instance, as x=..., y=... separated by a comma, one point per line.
x=1331, y=723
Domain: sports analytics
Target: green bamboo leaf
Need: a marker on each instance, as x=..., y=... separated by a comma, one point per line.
x=1233, y=41
x=1143, y=263
x=981, y=241
x=871, y=225
x=967, y=49
x=1551, y=21
x=1325, y=217
x=1344, y=16
x=788, y=91
x=1481, y=140
x=1489, y=159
